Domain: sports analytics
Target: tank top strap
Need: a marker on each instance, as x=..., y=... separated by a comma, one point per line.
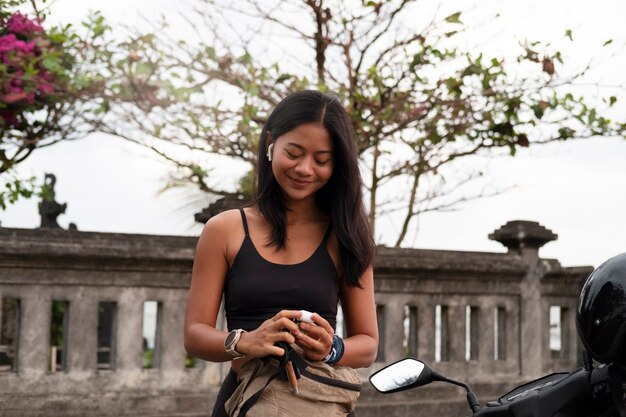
x=244, y=221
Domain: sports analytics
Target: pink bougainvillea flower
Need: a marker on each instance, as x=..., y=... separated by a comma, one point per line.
x=9, y=44
x=21, y=25
x=45, y=88
x=46, y=83
x=15, y=84
x=26, y=84
x=12, y=98
x=46, y=76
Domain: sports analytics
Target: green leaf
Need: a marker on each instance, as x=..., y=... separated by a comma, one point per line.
x=51, y=63
x=512, y=149
x=245, y=59
x=454, y=18
x=592, y=116
x=210, y=53
x=99, y=26
x=608, y=42
x=568, y=34
x=17, y=188
x=253, y=90
x=565, y=133
x=612, y=100
x=504, y=129
x=103, y=108
x=283, y=78
x=143, y=69
x=81, y=82
x=558, y=57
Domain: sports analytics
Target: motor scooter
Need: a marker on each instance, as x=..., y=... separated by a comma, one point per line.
x=585, y=392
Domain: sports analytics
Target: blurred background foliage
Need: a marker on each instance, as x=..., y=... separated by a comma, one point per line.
x=419, y=102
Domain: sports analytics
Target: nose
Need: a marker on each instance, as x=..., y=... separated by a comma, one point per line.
x=304, y=167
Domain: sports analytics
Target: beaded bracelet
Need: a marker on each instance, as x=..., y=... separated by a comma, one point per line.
x=336, y=351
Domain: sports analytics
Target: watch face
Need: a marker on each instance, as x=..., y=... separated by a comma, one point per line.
x=230, y=338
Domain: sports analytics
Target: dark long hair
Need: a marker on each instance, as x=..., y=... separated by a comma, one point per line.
x=341, y=198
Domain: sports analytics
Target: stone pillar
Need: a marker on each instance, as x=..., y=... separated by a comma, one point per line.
x=524, y=238
x=129, y=330
x=394, y=330
x=487, y=334
x=34, y=344
x=82, y=330
x=426, y=335
x=456, y=329
x=173, y=350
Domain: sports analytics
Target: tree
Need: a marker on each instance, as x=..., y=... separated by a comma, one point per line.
x=49, y=81
x=418, y=103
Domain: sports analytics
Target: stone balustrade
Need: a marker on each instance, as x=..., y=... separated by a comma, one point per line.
x=480, y=317
x=468, y=311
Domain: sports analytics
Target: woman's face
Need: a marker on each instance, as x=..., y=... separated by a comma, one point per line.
x=302, y=160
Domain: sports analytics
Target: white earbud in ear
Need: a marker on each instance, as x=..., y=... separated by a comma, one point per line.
x=269, y=152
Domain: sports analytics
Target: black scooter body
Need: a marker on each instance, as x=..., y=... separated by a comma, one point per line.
x=555, y=395
x=585, y=392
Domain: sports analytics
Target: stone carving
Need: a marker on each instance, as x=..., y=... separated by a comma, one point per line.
x=220, y=205
x=518, y=235
x=50, y=209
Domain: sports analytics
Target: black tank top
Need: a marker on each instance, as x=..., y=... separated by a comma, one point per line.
x=256, y=289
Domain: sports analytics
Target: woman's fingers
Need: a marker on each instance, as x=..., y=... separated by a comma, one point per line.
x=285, y=324
x=280, y=328
x=315, y=336
x=289, y=314
x=285, y=320
x=316, y=339
x=323, y=323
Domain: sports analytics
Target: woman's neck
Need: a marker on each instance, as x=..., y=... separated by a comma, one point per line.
x=303, y=211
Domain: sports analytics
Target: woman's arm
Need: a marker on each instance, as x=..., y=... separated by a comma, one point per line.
x=202, y=339
x=360, y=323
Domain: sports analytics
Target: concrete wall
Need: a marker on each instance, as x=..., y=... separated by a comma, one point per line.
x=39, y=266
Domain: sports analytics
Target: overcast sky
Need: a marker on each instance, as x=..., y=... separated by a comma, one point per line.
x=575, y=189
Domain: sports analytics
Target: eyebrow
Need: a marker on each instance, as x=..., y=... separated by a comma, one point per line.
x=302, y=148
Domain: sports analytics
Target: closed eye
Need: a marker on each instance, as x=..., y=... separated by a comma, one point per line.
x=292, y=155
x=322, y=163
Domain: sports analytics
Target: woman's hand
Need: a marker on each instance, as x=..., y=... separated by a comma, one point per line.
x=316, y=340
x=262, y=341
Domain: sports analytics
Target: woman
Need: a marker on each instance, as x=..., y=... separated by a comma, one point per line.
x=303, y=244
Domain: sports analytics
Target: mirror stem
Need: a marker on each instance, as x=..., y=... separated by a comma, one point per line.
x=473, y=401
x=471, y=397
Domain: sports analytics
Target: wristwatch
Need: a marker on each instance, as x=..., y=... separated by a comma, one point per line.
x=231, y=342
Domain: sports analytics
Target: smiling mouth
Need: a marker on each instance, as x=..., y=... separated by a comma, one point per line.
x=300, y=182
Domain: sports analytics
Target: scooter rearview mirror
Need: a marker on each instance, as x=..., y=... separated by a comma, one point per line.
x=411, y=373
x=404, y=374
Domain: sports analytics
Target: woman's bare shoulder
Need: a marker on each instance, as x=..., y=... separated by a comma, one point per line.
x=224, y=233
x=224, y=222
